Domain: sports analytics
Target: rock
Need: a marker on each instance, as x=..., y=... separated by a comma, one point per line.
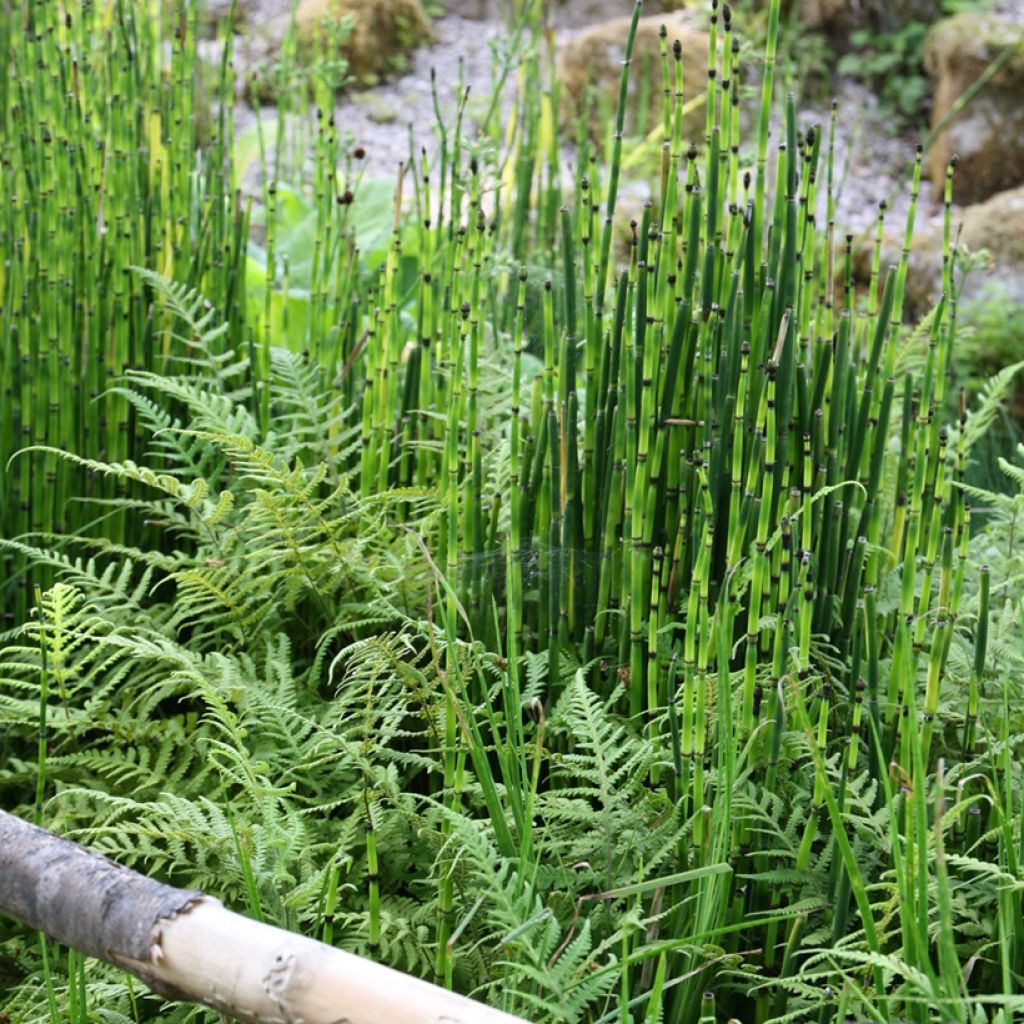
x=988, y=135
x=218, y=10
x=382, y=32
x=582, y=14
x=211, y=15
x=377, y=108
x=838, y=19
x=563, y=14
x=471, y=10
x=996, y=226
x=595, y=57
x=256, y=55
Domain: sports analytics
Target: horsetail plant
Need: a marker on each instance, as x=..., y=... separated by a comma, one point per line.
x=660, y=649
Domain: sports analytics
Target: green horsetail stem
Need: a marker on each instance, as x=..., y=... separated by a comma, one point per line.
x=694, y=479
x=978, y=667
x=616, y=159
x=104, y=174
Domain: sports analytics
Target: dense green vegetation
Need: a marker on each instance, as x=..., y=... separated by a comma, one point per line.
x=607, y=630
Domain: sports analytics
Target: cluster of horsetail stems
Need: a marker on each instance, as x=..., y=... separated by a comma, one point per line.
x=704, y=457
x=100, y=175
x=698, y=493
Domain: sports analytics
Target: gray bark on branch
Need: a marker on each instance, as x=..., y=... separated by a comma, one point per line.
x=186, y=945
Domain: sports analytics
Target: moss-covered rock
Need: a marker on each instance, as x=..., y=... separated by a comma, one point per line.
x=214, y=12
x=839, y=18
x=372, y=36
x=988, y=135
x=582, y=14
x=594, y=57
x=996, y=226
x=211, y=15
x=382, y=32
x=473, y=10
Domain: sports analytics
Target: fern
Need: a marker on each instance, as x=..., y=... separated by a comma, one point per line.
x=194, y=324
x=992, y=397
x=238, y=703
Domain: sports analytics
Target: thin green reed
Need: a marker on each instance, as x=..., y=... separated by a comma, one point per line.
x=723, y=497
x=103, y=173
x=734, y=422
x=616, y=159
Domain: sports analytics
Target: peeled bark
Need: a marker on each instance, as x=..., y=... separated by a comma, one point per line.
x=186, y=945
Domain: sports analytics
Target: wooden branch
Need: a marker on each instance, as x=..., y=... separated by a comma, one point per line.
x=186, y=945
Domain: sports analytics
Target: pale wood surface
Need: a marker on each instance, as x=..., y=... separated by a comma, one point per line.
x=189, y=946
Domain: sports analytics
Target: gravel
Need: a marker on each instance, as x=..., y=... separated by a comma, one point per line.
x=872, y=163
x=379, y=119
